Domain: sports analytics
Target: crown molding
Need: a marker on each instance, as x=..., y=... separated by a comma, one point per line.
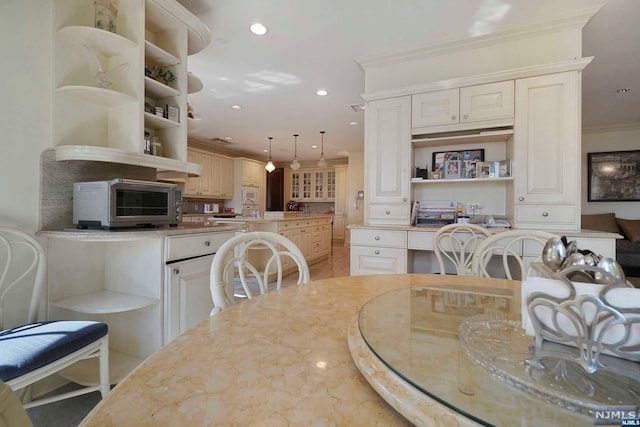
x=507, y=33
x=611, y=128
x=496, y=76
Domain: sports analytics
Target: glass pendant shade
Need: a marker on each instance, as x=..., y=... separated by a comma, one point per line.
x=322, y=162
x=270, y=167
x=295, y=164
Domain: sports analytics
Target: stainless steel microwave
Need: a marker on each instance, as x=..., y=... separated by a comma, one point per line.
x=126, y=203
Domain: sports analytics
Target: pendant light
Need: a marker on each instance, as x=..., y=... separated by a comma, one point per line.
x=322, y=162
x=270, y=167
x=295, y=164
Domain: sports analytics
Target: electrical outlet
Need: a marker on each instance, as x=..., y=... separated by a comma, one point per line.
x=472, y=206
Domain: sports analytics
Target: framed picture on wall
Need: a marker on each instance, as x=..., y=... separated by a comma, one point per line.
x=439, y=157
x=613, y=176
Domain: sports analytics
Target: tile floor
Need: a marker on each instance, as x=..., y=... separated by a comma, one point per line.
x=70, y=412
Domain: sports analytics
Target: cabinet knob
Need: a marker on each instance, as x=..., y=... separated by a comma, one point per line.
x=388, y=212
x=377, y=252
x=466, y=116
x=176, y=271
x=521, y=199
x=404, y=199
x=207, y=243
x=545, y=213
x=377, y=237
x=453, y=117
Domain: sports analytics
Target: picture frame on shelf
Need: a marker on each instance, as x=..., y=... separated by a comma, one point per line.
x=173, y=113
x=468, y=169
x=436, y=175
x=452, y=169
x=483, y=169
x=440, y=157
x=613, y=176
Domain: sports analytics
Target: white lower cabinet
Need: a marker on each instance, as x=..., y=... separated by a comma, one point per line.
x=378, y=251
x=187, y=294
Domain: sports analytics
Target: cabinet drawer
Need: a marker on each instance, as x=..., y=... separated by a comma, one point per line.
x=372, y=260
x=380, y=238
x=420, y=240
x=180, y=247
x=392, y=214
x=564, y=215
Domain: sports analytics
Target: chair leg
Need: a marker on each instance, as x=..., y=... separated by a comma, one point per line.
x=105, y=383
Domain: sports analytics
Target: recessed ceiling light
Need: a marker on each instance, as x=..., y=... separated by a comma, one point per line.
x=228, y=138
x=623, y=90
x=353, y=123
x=322, y=92
x=265, y=151
x=314, y=146
x=236, y=107
x=258, y=29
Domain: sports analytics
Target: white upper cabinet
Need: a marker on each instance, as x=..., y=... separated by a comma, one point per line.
x=487, y=105
x=101, y=89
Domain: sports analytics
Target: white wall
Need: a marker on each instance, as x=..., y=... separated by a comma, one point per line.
x=613, y=140
x=25, y=116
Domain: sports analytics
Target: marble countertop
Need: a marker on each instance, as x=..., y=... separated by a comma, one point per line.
x=277, y=359
x=135, y=234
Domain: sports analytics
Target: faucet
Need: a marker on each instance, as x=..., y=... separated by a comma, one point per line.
x=254, y=212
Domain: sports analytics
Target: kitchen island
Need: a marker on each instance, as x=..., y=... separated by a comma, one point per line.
x=311, y=233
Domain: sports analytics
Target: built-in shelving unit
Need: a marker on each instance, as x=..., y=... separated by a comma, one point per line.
x=466, y=137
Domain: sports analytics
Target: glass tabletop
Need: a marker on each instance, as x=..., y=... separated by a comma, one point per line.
x=414, y=331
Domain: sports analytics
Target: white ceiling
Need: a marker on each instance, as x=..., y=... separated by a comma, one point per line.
x=311, y=45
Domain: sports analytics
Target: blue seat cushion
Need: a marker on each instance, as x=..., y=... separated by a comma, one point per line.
x=29, y=347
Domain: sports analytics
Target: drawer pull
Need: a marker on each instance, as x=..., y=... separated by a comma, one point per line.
x=404, y=199
x=388, y=212
x=207, y=243
x=453, y=117
x=545, y=213
x=176, y=271
x=466, y=116
x=377, y=252
x=521, y=199
x=377, y=237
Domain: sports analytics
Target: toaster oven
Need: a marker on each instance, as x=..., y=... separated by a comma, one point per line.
x=119, y=203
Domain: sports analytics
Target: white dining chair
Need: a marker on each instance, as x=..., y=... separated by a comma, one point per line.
x=12, y=413
x=457, y=244
x=31, y=350
x=233, y=257
x=513, y=246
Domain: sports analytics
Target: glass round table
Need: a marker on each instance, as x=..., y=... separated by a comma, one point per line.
x=413, y=332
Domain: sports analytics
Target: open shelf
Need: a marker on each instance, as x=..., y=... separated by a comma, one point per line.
x=105, y=302
x=97, y=95
x=194, y=84
x=159, y=55
x=474, y=180
x=85, y=372
x=465, y=137
x=157, y=90
x=156, y=122
x=101, y=41
x=115, y=155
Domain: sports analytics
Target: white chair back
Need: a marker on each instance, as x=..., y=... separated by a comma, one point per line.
x=521, y=246
x=457, y=243
x=22, y=277
x=233, y=254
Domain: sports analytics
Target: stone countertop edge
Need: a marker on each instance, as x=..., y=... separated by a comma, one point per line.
x=134, y=234
x=582, y=233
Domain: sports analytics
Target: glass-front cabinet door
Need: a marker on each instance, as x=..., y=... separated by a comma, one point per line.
x=307, y=185
x=318, y=185
x=331, y=184
x=295, y=185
